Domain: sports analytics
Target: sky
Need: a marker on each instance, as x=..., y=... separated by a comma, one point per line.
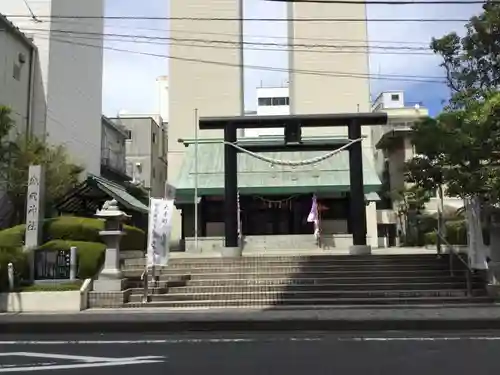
x=129, y=79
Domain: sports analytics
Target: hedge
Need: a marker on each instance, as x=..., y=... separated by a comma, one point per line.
x=73, y=228
x=456, y=234
x=90, y=255
x=18, y=258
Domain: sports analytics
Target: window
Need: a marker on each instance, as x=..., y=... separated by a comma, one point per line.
x=153, y=138
x=153, y=172
x=281, y=101
x=265, y=101
x=129, y=134
x=395, y=97
x=17, y=72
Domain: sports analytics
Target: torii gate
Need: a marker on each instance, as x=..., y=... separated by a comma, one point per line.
x=292, y=125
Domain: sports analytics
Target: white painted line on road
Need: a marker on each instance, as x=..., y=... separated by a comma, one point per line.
x=85, y=361
x=157, y=341
x=122, y=362
x=453, y=338
x=80, y=358
x=31, y=364
x=66, y=357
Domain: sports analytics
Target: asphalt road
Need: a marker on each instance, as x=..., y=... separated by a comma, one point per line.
x=246, y=353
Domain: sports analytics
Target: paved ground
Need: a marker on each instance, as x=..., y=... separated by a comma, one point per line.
x=245, y=353
x=338, y=319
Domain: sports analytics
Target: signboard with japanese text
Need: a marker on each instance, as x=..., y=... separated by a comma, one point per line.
x=160, y=224
x=34, y=206
x=52, y=264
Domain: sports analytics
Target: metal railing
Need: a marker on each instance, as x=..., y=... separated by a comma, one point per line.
x=145, y=280
x=453, y=253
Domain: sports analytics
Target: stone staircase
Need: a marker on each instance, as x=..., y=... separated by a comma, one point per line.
x=301, y=281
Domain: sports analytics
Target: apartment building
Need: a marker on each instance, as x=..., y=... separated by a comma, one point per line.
x=70, y=70
x=392, y=149
x=146, y=151
x=21, y=88
x=334, y=82
x=113, y=151
x=270, y=101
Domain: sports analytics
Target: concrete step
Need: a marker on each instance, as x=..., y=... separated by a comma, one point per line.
x=271, y=274
x=293, y=260
x=365, y=281
x=304, y=295
x=306, y=288
x=314, y=303
x=264, y=268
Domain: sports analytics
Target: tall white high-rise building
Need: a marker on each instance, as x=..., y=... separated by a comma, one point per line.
x=70, y=61
x=162, y=107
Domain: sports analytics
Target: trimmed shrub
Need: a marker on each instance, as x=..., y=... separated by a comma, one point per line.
x=456, y=232
x=90, y=255
x=430, y=238
x=72, y=228
x=12, y=237
x=18, y=258
x=135, y=239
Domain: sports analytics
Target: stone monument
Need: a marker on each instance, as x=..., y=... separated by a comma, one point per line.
x=110, y=278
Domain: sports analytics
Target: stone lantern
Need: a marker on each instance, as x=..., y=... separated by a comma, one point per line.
x=110, y=278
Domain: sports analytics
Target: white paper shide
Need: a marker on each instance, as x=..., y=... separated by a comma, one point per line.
x=160, y=224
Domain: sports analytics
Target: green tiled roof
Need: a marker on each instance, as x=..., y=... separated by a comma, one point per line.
x=119, y=193
x=258, y=177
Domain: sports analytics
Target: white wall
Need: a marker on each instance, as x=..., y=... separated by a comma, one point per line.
x=71, y=73
x=15, y=93
x=389, y=99
x=269, y=110
x=162, y=97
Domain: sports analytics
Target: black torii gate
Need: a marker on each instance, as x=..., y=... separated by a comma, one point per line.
x=292, y=125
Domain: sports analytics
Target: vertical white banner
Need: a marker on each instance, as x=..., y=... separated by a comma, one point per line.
x=477, y=250
x=159, y=228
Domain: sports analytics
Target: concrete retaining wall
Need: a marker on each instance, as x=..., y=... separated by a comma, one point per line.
x=67, y=301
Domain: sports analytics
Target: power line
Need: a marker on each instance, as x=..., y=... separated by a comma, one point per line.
x=32, y=14
x=212, y=46
x=229, y=19
x=399, y=78
x=229, y=42
x=256, y=36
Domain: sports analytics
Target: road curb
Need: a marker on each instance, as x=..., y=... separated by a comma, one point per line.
x=83, y=325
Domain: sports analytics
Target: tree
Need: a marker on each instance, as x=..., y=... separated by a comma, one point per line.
x=461, y=150
x=472, y=63
x=410, y=203
x=60, y=174
x=461, y=147
x=6, y=126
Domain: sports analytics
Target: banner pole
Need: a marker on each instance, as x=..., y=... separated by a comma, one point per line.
x=196, y=179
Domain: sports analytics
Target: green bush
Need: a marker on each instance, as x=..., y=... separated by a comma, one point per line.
x=13, y=237
x=18, y=258
x=90, y=255
x=430, y=238
x=72, y=228
x=456, y=232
